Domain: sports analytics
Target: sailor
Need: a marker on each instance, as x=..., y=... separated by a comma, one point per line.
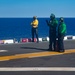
x=52, y=32
x=34, y=25
x=61, y=34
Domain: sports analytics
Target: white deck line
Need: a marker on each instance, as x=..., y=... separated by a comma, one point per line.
x=37, y=69
x=3, y=51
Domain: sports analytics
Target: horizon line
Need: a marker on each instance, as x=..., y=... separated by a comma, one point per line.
x=37, y=17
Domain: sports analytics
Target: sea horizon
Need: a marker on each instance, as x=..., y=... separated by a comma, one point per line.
x=21, y=28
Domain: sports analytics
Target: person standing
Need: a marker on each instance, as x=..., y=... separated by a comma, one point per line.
x=52, y=32
x=34, y=25
x=61, y=34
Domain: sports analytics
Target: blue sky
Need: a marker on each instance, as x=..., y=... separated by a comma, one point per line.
x=40, y=8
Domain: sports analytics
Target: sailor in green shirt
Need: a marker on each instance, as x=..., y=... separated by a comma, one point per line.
x=52, y=32
x=61, y=34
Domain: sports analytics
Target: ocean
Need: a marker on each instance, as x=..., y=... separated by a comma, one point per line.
x=18, y=28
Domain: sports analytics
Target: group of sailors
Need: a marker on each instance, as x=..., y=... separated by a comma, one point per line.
x=57, y=29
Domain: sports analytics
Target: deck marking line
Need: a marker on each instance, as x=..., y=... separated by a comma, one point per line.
x=34, y=55
x=37, y=69
x=3, y=51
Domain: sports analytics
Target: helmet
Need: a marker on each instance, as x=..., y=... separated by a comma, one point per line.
x=61, y=19
x=52, y=16
x=34, y=17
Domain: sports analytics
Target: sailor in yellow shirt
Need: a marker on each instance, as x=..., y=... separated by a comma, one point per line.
x=34, y=25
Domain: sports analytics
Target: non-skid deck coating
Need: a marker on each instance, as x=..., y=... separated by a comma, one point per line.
x=36, y=55
x=34, y=59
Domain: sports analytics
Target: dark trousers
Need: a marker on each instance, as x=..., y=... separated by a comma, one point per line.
x=52, y=41
x=60, y=42
x=34, y=32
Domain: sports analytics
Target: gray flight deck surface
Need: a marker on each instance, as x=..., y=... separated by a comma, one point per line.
x=63, y=60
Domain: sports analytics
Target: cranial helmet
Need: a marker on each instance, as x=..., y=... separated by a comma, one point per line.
x=34, y=17
x=61, y=19
x=52, y=16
